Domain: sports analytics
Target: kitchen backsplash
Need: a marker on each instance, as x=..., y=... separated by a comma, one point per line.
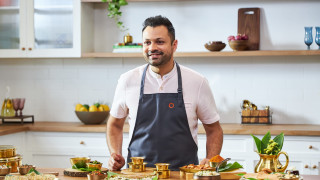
x=52, y=87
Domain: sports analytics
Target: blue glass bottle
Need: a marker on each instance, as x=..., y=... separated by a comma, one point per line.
x=308, y=36
x=317, y=39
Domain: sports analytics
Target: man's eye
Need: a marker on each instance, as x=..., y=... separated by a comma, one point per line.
x=147, y=43
x=160, y=42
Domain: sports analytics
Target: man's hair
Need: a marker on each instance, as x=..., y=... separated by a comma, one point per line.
x=160, y=21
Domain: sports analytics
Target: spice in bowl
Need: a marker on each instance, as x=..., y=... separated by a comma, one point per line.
x=96, y=175
x=25, y=168
x=4, y=170
x=215, y=160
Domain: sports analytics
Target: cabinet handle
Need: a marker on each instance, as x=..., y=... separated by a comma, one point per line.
x=310, y=147
x=81, y=142
x=306, y=166
x=30, y=49
x=314, y=166
x=23, y=49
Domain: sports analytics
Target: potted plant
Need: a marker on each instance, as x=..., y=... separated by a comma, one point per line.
x=269, y=151
x=114, y=11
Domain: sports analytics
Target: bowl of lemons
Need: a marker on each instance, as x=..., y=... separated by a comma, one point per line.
x=94, y=114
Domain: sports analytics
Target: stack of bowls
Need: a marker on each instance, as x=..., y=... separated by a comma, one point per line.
x=9, y=157
x=137, y=164
x=162, y=170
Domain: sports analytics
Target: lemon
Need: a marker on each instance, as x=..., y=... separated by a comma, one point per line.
x=101, y=108
x=105, y=107
x=83, y=109
x=93, y=108
x=78, y=106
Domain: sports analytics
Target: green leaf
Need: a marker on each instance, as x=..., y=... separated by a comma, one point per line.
x=123, y=2
x=252, y=178
x=279, y=139
x=265, y=141
x=33, y=170
x=258, y=143
x=112, y=174
x=231, y=166
x=240, y=174
x=103, y=0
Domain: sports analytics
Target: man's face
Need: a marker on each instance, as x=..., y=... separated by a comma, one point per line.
x=157, y=47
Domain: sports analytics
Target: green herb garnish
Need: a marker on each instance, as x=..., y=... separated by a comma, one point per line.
x=267, y=145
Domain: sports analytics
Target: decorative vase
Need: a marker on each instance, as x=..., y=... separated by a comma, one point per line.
x=271, y=162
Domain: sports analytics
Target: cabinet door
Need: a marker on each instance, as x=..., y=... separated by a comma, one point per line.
x=55, y=26
x=37, y=28
x=12, y=28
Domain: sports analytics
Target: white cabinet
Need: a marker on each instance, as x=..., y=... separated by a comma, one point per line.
x=37, y=28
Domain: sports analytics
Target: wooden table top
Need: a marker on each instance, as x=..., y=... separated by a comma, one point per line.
x=236, y=129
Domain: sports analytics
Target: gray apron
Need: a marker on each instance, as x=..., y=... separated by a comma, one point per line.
x=161, y=133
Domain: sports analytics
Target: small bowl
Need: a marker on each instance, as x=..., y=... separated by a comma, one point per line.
x=215, y=46
x=92, y=117
x=216, y=177
x=23, y=170
x=96, y=166
x=239, y=45
x=96, y=176
x=5, y=171
x=74, y=160
x=214, y=164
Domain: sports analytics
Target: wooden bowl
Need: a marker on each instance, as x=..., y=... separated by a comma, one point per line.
x=215, y=46
x=92, y=117
x=24, y=169
x=5, y=171
x=239, y=45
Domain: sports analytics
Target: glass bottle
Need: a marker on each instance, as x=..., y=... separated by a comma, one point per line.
x=308, y=36
x=317, y=39
x=7, y=106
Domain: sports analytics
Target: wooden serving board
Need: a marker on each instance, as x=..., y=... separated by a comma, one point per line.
x=249, y=24
x=149, y=171
x=77, y=173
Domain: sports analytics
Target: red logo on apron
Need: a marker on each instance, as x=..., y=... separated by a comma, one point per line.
x=171, y=105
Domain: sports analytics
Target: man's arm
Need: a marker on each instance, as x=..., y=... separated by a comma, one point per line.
x=114, y=141
x=214, y=140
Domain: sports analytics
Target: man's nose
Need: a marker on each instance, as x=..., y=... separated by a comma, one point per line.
x=152, y=46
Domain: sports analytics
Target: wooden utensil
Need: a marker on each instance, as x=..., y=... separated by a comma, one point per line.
x=249, y=24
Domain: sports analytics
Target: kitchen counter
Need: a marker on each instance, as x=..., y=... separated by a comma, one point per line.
x=173, y=175
x=236, y=129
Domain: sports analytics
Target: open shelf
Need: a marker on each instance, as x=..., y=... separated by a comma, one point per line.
x=210, y=54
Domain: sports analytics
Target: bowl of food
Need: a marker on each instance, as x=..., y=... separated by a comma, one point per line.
x=96, y=175
x=79, y=161
x=94, y=165
x=4, y=170
x=215, y=45
x=207, y=175
x=92, y=117
x=216, y=160
x=239, y=45
x=24, y=169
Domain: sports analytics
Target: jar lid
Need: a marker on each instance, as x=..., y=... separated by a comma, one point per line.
x=5, y=147
x=15, y=158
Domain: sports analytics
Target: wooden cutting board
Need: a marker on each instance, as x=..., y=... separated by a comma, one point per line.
x=249, y=23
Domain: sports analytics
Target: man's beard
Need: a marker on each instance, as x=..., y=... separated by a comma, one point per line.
x=163, y=59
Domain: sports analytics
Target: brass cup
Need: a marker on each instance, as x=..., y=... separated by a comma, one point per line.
x=13, y=162
x=162, y=166
x=94, y=166
x=164, y=174
x=137, y=160
x=96, y=177
x=130, y=165
x=137, y=167
x=74, y=160
x=127, y=39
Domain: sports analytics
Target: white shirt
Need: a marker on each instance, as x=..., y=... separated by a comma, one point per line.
x=198, y=98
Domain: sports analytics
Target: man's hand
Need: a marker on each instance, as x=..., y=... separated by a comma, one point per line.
x=116, y=162
x=204, y=161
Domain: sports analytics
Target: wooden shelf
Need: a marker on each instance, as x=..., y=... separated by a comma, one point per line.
x=210, y=54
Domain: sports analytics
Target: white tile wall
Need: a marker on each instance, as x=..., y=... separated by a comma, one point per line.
x=290, y=85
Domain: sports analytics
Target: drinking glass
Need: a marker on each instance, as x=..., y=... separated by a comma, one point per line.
x=16, y=103
x=308, y=36
x=21, y=105
x=317, y=39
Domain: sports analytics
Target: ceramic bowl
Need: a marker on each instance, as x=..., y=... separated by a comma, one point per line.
x=92, y=117
x=74, y=160
x=239, y=45
x=215, y=46
x=24, y=169
x=5, y=171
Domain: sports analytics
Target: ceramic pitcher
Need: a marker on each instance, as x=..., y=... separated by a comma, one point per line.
x=271, y=162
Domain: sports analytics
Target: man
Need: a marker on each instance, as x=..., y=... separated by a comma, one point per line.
x=163, y=102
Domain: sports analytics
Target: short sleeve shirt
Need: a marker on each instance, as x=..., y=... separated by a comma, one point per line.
x=198, y=98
